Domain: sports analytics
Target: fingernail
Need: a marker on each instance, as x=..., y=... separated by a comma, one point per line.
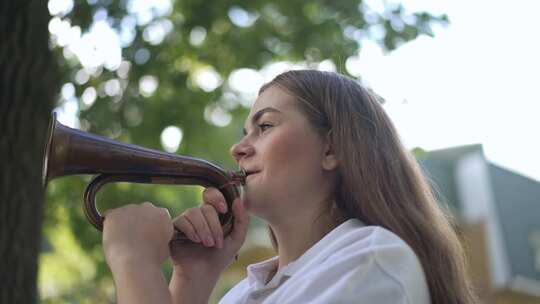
x=209, y=242
x=197, y=239
x=219, y=243
x=223, y=207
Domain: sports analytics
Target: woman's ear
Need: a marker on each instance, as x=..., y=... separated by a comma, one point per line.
x=329, y=160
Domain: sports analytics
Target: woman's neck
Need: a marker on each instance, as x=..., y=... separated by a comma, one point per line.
x=296, y=236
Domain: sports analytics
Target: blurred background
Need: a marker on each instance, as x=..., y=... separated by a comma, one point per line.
x=460, y=80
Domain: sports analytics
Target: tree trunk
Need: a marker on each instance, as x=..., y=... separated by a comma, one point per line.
x=28, y=85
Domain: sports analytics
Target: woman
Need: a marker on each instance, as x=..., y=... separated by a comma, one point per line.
x=349, y=212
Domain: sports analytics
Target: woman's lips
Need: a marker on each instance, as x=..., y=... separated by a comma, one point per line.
x=251, y=174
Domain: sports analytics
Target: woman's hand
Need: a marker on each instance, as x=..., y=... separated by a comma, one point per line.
x=137, y=233
x=211, y=253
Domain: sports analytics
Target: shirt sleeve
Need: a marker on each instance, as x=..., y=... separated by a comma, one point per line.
x=358, y=285
x=388, y=274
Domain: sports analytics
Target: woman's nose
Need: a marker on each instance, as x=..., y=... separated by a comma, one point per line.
x=241, y=150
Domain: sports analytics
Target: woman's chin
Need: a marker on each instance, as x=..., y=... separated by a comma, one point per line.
x=251, y=204
x=248, y=194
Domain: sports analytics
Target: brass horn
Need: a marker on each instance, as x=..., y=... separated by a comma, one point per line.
x=72, y=152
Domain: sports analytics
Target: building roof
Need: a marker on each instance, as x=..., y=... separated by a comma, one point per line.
x=515, y=198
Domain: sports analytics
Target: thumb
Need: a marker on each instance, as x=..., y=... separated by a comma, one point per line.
x=241, y=221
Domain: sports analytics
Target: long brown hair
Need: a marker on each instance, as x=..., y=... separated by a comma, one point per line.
x=380, y=182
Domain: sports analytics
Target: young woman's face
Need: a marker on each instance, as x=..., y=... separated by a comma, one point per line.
x=282, y=154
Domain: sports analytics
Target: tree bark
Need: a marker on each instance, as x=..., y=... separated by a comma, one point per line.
x=28, y=85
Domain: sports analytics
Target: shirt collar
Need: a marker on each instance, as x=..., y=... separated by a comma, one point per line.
x=258, y=272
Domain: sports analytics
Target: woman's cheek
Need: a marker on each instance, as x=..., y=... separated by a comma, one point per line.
x=285, y=147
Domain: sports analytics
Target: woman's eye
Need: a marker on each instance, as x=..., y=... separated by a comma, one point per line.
x=263, y=126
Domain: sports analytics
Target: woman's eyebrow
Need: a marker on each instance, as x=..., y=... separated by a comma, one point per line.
x=258, y=115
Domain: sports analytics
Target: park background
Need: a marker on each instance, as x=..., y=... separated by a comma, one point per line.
x=180, y=76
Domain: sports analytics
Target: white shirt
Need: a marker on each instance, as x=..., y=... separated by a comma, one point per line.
x=353, y=263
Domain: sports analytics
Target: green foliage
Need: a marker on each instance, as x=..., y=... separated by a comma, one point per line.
x=294, y=31
x=419, y=152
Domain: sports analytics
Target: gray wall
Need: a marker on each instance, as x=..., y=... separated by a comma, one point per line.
x=518, y=201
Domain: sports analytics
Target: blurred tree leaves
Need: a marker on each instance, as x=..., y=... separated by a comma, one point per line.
x=165, y=47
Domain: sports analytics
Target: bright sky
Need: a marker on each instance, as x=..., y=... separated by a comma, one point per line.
x=477, y=81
